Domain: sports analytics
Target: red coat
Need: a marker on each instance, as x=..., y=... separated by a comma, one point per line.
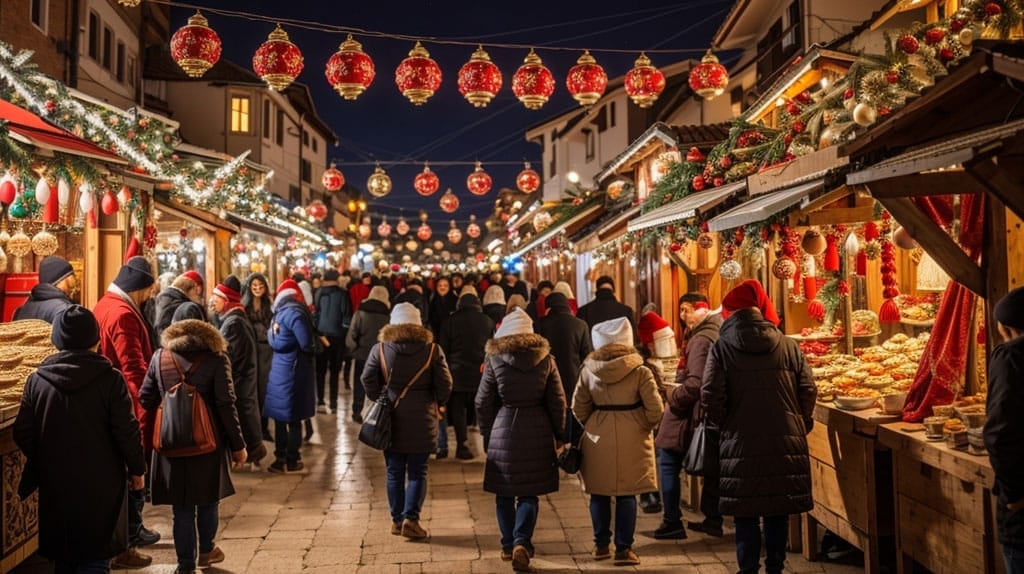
x=356, y=294
x=124, y=341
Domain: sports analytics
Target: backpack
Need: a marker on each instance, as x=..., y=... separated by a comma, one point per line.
x=183, y=426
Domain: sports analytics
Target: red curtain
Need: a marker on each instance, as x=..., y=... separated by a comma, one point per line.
x=940, y=376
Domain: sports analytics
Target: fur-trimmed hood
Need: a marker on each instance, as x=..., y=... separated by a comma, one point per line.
x=193, y=335
x=611, y=363
x=405, y=333
x=522, y=352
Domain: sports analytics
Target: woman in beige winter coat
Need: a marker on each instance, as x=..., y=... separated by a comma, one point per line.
x=618, y=404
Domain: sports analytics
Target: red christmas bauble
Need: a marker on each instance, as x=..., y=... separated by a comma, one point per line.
x=934, y=36
x=993, y=9
x=424, y=232
x=426, y=183
x=892, y=77
x=384, y=229
x=333, y=179
x=698, y=183
x=317, y=210
x=473, y=230
x=956, y=25
x=277, y=61
x=418, y=76
x=454, y=235
x=350, y=71
x=533, y=83
x=528, y=180
x=479, y=79
x=946, y=55
x=196, y=47
x=449, y=202
x=909, y=44
x=8, y=191
x=694, y=155
x=478, y=182
x=644, y=83
x=586, y=80
x=402, y=228
x=675, y=246
x=709, y=78
x=109, y=203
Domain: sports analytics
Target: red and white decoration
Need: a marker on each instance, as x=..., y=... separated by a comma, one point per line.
x=479, y=182
x=587, y=80
x=528, y=180
x=709, y=78
x=426, y=183
x=333, y=179
x=644, y=83
x=449, y=202
x=277, y=61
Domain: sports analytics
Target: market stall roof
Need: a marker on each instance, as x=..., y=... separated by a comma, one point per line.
x=762, y=207
x=34, y=130
x=204, y=219
x=554, y=228
x=690, y=206
x=606, y=230
x=702, y=136
x=259, y=226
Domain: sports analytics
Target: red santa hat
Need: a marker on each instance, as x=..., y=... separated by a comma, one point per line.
x=748, y=294
x=194, y=276
x=229, y=289
x=290, y=285
x=649, y=324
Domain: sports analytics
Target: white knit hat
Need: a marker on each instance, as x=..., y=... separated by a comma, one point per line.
x=468, y=290
x=565, y=289
x=613, y=332
x=379, y=293
x=494, y=294
x=405, y=313
x=515, y=323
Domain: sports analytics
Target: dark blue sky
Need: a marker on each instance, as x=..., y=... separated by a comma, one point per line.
x=383, y=125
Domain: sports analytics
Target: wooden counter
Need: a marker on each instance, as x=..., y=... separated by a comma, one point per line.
x=18, y=536
x=945, y=513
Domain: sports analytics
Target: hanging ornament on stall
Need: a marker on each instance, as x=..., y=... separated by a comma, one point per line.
x=63, y=192
x=479, y=79
x=813, y=243
x=42, y=191
x=317, y=210
x=108, y=204
x=418, y=76
x=810, y=273
x=277, y=61
x=124, y=197
x=449, y=202
x=44, y=244
x=403, y=227
x=426, y=182
x=705, y=240
x=890, y=311
x=709, y=78
x=384, y=229
x=332, y=179
x=195, y=47
x=454, y=235
x=19, y=245
x=831, y=262
x=528, y=180
x=86, y=201
x=587, y=80
x=379, y=183
x=8, y=189
x=473, y=230
x=644, y=83
x=479, y=182
x=784, y=268
x=730, y=270
x=533, y=83
x=350, y=71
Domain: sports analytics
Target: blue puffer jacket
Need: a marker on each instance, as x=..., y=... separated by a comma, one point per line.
x=291, y=395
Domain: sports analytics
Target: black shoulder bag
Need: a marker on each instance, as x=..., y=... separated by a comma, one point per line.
x=376, y=429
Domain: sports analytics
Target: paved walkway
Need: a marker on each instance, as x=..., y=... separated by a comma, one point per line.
x=333, y=518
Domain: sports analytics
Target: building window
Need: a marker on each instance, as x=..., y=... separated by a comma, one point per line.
x=119, y=67
x=38, y=12
x=777, y=47
x=736, y=101
x=316, y=145
x=131, y=71
x=611, y=114
x=307, y=171
x=240, y=114
x=294, y=194
x=305, y=137
x=590, y=143
x=94, y=36
x=279, y=135
x=601, y=120
x=266, y=119
x=108, y=48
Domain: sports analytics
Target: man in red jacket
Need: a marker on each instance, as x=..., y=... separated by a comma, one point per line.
x=359, y=291
x=125, y=342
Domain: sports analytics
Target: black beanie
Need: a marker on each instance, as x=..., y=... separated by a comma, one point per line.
x=605, y=280
x=232, y=282
x=54, y=269
x=75, y=329
x=1010, y=309
x=556, y=301
x=134, y=275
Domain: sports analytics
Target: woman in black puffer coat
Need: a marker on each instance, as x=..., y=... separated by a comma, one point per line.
x=521, y=408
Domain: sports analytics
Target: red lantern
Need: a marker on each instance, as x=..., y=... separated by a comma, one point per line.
x=473, y=230
x=479, y=79
x=528, y=180
x=449, y=202
x=454, y=235
x=586, y=80
x=424, y=232
x=277, y=61
x=350, y=70
x=709, y=78
x=426, y=182
x=384, y=229
x=403, y=227
x=479, y=182
x=196, y=47
x=533, y=83
x=109, y=203
x=333, y=179
x=9, y=189
x=418, y=76
x=317, y=210
x=644, y=83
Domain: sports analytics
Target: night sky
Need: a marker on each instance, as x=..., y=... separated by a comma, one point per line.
x=382, y=125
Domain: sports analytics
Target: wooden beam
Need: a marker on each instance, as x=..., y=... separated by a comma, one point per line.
x=996, y=261
x=946, y=253
x=921, y=184
x=838, y=215
x=1001, y=183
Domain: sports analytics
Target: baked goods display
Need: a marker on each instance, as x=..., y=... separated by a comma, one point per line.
x=918, y=310
x=871, y=372
x=23, y=346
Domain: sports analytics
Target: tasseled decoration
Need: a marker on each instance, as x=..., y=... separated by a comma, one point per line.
x=831, y=254
x=816, y=309
x=862, y=263
x=890, y=312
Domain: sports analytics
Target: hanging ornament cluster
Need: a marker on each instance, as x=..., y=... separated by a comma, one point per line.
x=479, y=182
x=379, y=182
x=195, y=47
x=424, y=232
x=644, y=83
x=533, y=82
x=587, y=80
x=890, y=311
x=709, y=78
x=333, y=179
x=426, y=182
x=418, y=76
x=479, y=79
x=277, y=61
x=449, y=202
x=350, y=71
x=528, y=180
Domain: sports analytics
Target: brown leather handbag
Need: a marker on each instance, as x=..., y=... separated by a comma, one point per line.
x=183, y=426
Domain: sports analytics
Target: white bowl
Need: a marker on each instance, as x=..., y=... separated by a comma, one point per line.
x=893, y=403
x=855, y=403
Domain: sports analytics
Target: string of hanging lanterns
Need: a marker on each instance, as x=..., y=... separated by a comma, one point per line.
x=427, y=183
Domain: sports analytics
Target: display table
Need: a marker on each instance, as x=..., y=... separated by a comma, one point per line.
x=945, y=513
x=18, y=537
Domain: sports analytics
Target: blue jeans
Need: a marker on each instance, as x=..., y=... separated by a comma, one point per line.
x=516, y=521
x=748, y=543
x=1014, y=559
x=625, y=520
x=670, y=464
x=93, y=567
x=407, y=484
x=287, y=440
x=187, y=519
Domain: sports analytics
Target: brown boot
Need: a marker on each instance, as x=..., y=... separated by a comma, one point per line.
x=521, y=559
x=212, y=557
x=130, y=559
x=411, y=529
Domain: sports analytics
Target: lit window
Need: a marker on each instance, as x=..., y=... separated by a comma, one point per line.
x=239, y=114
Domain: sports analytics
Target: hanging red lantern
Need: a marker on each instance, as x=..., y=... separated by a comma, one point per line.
x=449, y=202
x=644, y=83
x=384, y=229
x=317, y=210
x=709, y=78
x=195, y=47
x=333, y=179
x=454, y=235
x=528, y=180
x=403, y=227
x=277, y=61
x=479, y=79
x=424, y=232
x=479, y=182
x=350, y=71
x=109, y=203
x=418, y=76
x=426, y=183
x=533, y=83
x=473, y=230
x=586, y=80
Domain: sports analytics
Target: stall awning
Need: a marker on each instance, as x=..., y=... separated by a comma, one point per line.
x=606, y=231
x=763, y=206
x=554, y=228
x=264, y=228
x=687, y=207
x=203, y=219
x=33, y=130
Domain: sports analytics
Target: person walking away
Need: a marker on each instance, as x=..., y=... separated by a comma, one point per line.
x=494, y=303
x=521, y=407
x=413, y=293
x=569, y=338
x=372, y=316
x=332, y=316
x=258, y=309
x=515, y=301
x=291, y=393
x=511, y=285
x=76, y=413
x=125, y=342
x=1004, y=429
x=408, y=362
x=187, y=292
x=544, y=288
x=605, y=306
x=618, y=403
x=759, y=392
x=241, y=350
x=463, y=338
x=442, y=304
x=57, y=283
x=194, y=351
x=360, y=291
x=682, y=415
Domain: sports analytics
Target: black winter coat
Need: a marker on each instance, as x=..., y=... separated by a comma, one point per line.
x=496, y=311
x=203, y=479
x=371, y=317
x=605, y=307
x=441, y=307
x=463, y=337
x=260, y=323
x=569, y=338
x=521, y=408
x=333, y=310
x=760, y=392
x=414, y=420
x=45, y=302
x=1004, y=436
x=78, y=430
x=241, y=339
x=167, y=303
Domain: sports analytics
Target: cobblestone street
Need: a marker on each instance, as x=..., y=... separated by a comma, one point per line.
x=333, y=517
